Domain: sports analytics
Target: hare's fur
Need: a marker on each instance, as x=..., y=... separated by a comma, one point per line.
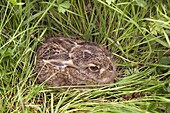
x=67, y=61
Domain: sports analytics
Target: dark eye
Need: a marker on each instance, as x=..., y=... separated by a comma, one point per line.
x=94, y=68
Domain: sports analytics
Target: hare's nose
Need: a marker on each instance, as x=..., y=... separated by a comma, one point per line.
x=113, y=73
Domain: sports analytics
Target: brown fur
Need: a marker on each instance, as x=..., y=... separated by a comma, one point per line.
x=66, y=61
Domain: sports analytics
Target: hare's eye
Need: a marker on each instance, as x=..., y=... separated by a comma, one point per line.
x=94, y=68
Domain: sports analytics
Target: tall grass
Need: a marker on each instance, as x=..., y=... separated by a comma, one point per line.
x=137, y=32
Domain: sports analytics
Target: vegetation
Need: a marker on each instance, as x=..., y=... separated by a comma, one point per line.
x=136, y=31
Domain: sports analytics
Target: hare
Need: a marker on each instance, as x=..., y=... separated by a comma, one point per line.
x=66, y=61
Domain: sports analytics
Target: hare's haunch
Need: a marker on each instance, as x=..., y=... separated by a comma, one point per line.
x=66, y=61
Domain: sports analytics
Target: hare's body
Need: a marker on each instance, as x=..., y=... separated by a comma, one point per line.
x=66, y=61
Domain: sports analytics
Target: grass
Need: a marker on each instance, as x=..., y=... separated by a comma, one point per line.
x=137, y=32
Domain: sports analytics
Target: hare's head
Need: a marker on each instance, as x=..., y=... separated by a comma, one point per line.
x=79, y=62
x=94, y=63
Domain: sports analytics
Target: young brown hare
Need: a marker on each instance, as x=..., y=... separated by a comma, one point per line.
x=66, y=61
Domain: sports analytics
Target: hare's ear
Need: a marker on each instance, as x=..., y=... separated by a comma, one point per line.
x=56, y=63
x=59, y=63
x=67, y=43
